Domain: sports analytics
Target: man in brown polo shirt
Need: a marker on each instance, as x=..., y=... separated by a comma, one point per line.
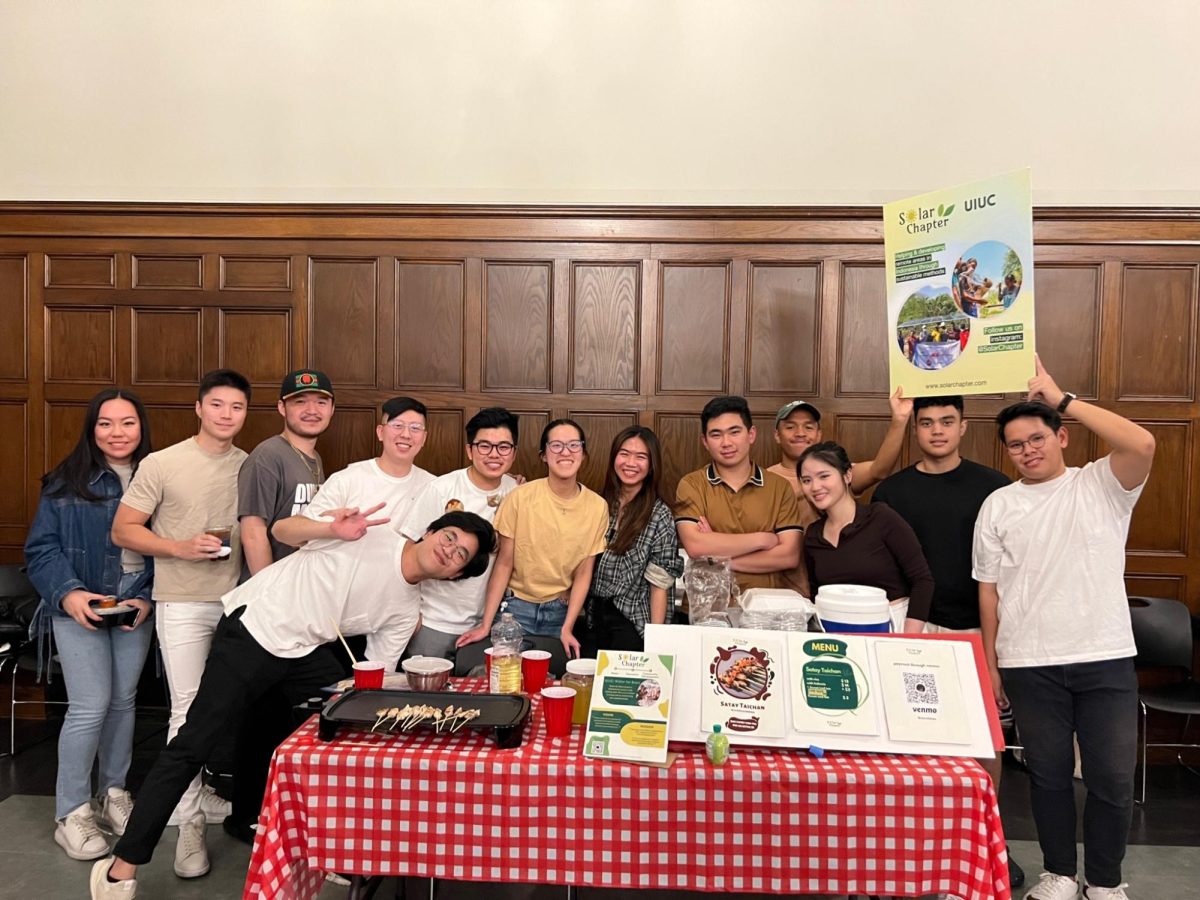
x=798, y=427
x=733, y=508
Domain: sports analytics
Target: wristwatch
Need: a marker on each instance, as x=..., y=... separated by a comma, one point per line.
x=1065, y=402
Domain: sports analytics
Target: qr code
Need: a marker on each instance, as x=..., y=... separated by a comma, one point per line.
x=920, y=687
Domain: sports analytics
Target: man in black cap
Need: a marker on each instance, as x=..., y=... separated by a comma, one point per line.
x=282, y=474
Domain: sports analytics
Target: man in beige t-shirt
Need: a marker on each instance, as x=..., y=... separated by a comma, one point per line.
x=177, y=496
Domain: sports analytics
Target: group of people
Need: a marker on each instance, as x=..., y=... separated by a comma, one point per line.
x=424, y=565
x=938, y=333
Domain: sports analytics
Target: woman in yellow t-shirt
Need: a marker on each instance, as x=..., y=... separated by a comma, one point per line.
x=550, y=531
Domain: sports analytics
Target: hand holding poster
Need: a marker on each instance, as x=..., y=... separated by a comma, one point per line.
x=960, y=288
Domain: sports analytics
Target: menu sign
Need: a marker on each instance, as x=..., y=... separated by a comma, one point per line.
x=740, y=692
x=831, y=687
x=631, y=706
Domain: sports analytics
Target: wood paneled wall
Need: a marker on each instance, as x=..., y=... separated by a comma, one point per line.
x=611, y=316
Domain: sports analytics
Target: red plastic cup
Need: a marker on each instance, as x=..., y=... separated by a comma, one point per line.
x=487, y=661
x=535, y=666
x=557, y=704
x=368, y=675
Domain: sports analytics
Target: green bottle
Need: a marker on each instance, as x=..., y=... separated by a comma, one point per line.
x=716, y=747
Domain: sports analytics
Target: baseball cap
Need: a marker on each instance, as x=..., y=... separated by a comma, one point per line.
x=788, y=408
x=305, y=381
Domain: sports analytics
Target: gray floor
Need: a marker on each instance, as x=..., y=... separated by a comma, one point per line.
x=33, y=866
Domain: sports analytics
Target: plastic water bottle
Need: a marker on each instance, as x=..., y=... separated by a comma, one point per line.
x=506, y=656
x=716, y=747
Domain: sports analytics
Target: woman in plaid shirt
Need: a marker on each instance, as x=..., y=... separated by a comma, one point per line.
x=633, y=579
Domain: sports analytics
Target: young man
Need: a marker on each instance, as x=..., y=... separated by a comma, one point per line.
x=449, y=609
x=798, y=427
x=1049, y=556
x=282, y=474
x=186, y=492
x=391, y=479
x=732, y=507
x=273, y=638
x=939, y=496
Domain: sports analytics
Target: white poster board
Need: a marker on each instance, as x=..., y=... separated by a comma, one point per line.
x=966, y=729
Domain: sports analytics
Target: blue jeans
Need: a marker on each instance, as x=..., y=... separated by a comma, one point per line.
x=101, y=670
x=545, y=619
x=1097, y=702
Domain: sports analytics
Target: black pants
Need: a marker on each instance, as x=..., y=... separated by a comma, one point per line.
x=607, y=629
x=1098, y=703
x=238, y=676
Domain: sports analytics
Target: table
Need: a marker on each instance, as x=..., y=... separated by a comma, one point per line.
x=456, y=807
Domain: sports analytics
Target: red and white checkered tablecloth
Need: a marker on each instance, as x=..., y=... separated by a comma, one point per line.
x=454, y=806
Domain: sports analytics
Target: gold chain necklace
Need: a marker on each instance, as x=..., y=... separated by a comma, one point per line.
x=316, y=471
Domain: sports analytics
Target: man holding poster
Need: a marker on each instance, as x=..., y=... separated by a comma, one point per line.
x=960, y=288
x=1049, y=557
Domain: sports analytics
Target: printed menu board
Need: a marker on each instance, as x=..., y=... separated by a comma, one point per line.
x=959, y=269
x=740, y=692
x=832, y=690
x=631, y=706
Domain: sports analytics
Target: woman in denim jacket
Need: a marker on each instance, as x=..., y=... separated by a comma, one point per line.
x=73, y=562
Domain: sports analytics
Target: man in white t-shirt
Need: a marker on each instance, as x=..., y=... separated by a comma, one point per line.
x=274, y=639
x=452, y=608
x=391, y=479
x=1049, y=556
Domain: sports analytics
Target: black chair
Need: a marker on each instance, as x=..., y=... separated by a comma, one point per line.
x=1162, y=630
x=18, y=602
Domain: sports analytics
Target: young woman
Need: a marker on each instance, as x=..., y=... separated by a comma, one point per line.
x=550, y=531
x=855, y=544
x=633, y=580
x=73, y=563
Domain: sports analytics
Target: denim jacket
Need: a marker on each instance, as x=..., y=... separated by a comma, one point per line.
x=70, y=547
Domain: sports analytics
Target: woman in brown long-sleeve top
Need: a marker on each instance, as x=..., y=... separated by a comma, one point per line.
x=869, y=545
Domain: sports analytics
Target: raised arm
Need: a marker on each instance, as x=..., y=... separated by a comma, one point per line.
x=872, y=471
x=1132, y=445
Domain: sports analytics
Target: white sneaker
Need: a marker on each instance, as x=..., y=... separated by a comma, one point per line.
x=215, y=807
x=115, y=808
x=103, y=889
x=1091, y=892
x=78, y=835
x=1053, y=887
x=191, y=854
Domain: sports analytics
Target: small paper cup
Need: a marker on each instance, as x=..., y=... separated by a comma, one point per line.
x=535, y=666
x=557, y=705
x=368, y=676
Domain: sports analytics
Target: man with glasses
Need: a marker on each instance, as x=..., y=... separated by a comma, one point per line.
x=451, y=608
x=1049, y=556
x=391, y=480
x=273, y=639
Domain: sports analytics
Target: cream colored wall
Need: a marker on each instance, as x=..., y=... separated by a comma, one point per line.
x=583, y=101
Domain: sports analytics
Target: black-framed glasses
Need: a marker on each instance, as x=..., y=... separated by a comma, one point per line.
x=504, y=448
x=1035, y=442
